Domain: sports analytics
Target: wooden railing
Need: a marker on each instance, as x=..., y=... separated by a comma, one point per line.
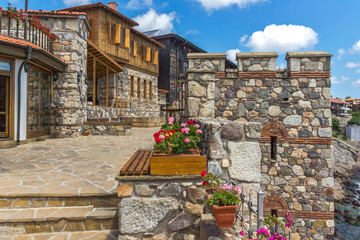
x=25, y=31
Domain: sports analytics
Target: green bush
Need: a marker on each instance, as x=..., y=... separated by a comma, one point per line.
x=336, y=124
x=344, y=138
x=355, y=119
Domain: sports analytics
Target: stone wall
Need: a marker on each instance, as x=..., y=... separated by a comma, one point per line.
x=160, y=207
x=69, y=91
x=292, y=108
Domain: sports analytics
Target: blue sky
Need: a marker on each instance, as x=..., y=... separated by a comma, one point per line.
x=253, y=25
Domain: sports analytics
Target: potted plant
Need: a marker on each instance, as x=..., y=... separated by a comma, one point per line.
x=45, y=29
x=178, y=82
x=12, y=11
x=34, y=21
x=53, y=36
x=223, y=202
x=176, y=149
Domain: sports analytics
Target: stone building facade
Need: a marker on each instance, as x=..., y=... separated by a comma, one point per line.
x=287, y=115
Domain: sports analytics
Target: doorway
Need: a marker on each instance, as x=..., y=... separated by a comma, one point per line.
x=4, y=106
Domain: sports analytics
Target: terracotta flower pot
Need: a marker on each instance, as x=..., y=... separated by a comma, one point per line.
x=224, y=216
x=12, y=14
x=53, y=36
x=35, y=24
x=45, y=30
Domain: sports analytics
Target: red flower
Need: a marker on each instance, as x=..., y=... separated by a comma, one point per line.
x=194, y=121
x=204, y=183
x=189, y=122
x=179, y=130
x=172, y=132
x=156, y=135
x=157, y=140
x=203, y=173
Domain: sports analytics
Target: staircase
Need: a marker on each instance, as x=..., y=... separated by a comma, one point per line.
x=48, y=217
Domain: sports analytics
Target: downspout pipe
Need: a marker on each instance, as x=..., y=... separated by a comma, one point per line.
x=25, y=62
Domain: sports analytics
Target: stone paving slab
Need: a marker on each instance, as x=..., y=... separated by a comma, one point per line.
x=83, y=166
x=54, y=214
x=90, y=235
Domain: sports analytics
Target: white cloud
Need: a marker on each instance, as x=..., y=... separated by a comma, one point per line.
x=282, y=38
x=352, y=65
x=192, y=32
x=139, y=4
x=153, y=20
x=334, y=80
x=244, y=38
x=75, y=2
x=345, y=78
x=211, y=5
x=341, y=52
x=356, y=47
x=231, y=54
x=356, y=83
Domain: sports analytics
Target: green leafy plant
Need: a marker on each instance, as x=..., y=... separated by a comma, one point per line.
x=223, y=198
x=335, y=124
x=211, y=181
x=177, y=138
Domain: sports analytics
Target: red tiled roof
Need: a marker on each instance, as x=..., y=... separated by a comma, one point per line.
x=349, y=99
x=336, y=100
x=55, y=12
x=101, y=5
x=24, y=43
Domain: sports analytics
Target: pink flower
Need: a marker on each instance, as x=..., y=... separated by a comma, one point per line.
x=241, y=233
x=263, y=231
x=277, y=236
x=184, y=125
x=199, y=131
x=197, y=125
x=161, y=137
x=187, y=140
x=185, y=130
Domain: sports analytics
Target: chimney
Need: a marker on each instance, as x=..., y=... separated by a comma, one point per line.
x=113, y=5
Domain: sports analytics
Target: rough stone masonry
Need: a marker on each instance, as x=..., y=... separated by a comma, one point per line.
x=290, y=112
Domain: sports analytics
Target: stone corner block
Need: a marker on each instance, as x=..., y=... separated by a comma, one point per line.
x=125, y=190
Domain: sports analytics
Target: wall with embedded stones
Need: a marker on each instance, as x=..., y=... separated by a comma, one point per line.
x=291, y=109
x=69, y=91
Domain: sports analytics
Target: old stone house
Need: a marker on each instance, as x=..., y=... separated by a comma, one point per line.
x=100, y=75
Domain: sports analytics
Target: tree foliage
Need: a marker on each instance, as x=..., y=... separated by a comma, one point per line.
x=336, y=124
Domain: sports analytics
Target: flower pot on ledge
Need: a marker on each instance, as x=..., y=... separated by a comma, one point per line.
x=191, y=163
x=12, y=14
x=45, y=30
x=35, y=24
x=224, y=216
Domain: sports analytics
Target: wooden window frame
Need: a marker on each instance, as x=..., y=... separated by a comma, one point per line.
x=139, y=88
x=122, y=38
x=145, y=89
x=150, y=90
x=112, y=31
x=132, y=47
x=132, y=86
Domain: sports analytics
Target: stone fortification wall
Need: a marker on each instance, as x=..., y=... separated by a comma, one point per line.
x=292, y=107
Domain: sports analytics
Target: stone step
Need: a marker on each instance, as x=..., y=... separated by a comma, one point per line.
x=57, y=219
x=95, y=235
x=50, y=201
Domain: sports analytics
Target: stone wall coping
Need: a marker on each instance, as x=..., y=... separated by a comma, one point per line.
x=157, y=178
x=307, y=54
x=207, y=55
x=256, y=55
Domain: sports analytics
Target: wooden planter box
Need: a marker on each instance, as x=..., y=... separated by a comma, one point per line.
x=177, y=164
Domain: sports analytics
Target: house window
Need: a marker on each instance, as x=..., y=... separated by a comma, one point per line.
x=145, y=93
x=112, y=32
x=122, y=42
x=139, y=88
x=132, y=47
x=132, y=86
x=150, y=90
x=273, y=148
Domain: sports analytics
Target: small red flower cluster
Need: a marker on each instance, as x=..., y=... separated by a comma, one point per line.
x=191, y=122
x=160, y=135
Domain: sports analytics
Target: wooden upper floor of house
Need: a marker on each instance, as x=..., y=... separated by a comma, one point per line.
x=113, y=33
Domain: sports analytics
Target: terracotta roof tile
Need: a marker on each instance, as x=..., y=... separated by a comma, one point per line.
x=336, y=100
x=24, y=43
x=57, y=12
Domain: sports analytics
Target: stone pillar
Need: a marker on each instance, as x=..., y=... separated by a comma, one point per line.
x=201, y=82
x=308, y=61
x=256, y=61
x=69, y=91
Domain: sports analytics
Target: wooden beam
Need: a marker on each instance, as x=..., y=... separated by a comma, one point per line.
x=107, y=86
x=100, y=61
x=94, y=81
x=117, y=89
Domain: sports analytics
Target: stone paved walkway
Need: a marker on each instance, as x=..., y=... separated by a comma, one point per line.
x=83, y=166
